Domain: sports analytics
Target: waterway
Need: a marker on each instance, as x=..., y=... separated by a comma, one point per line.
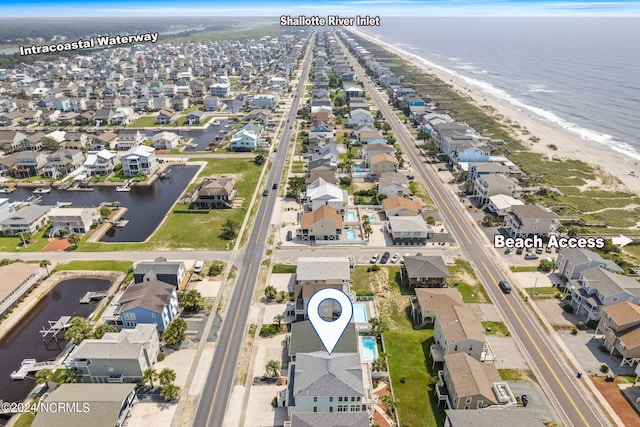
x=25, y=341
x=147, y=205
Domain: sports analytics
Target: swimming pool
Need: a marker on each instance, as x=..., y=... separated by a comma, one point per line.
x=372, y=217
x=351, y=216
x=360, y=313
x=369, y=348
x=351, y=234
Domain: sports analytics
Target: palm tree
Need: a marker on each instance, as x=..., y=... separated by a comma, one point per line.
x=45, y=263
x=270, y=292
x=44, y=376
x=390, y=403
x=167, y=376
x=74, y=239
x=69, y=376
x=170, y=392
x=278, y=318
x=378, y=326
x=149, y=376
x=273, y=368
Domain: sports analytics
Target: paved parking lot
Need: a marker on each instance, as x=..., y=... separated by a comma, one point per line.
x=584, y=347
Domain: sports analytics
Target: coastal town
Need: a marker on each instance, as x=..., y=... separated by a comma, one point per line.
x=170, y=208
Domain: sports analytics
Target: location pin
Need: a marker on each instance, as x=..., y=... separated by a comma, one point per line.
x=329, y=332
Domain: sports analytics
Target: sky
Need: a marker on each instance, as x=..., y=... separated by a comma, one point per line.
x=69, y=8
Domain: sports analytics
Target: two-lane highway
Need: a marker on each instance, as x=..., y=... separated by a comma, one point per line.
x=215, y=396
x=574, y=405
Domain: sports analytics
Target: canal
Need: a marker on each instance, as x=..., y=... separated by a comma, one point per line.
x=25, y=341
x=147, y=205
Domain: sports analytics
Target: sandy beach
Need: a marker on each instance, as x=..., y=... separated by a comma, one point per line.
x=569, y=145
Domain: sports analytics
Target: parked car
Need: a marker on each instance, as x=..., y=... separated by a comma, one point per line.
x=410, y=177
x=395, y=258
x=374, y=258
x=548, y=250
x=385, y=258
x=531, y=256
x=289, y=235
x=197, y=268
x=505, y=286
x=519, y=251
x=508, y=251
x=538, y=251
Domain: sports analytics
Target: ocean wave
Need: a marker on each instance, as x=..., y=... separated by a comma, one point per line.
x=489, y=89
x=537, y=88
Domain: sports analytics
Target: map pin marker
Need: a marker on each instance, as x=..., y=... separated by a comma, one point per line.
x=329, y=331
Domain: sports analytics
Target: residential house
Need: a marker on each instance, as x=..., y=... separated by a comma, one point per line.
x=220, y=90
x=264, y=101
x=33, y=142
x=128, y=139
x=28, y=219
x=597, y=288
x=383, y=163
x=466, y=383
x=151, y=302
x=353, y=91
x=500, y=204
x=457, y=330
x=171, y=272
x=476, y=169
x=244, y=140
x=6, y=208
x=530, y=220
x=100, y=162
x=489, y=185
x=321, y=113
x=195, y=117
x=408, y=230
x=139, y=160
x=75, y=140
x=324, y=223
x=11, y=140
x=211, y=103
x=106, y=140
x=319, y=382
x=112, y=401
x=304, y=339
x=360, y=117
x=17, y=279
x=371, y=150
x=399, y=206
x=321, y=128
x=520, y=417
x=30, y=163
x=323, y=419
x=393, y=184
x=61, y=162
x=166, y=140
x=117, y=357
x=166, y=116
x=328, y=176
x=572, y=261
x=320, y=193
x=8, y=163
x=428, y=301
x=214, y=193
x=424, y=272
x=72, y=220
x=620, y=325
x=370, y=136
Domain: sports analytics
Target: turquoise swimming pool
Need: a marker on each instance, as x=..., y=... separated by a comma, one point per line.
x=351, y=216
x=351, y=234
x=360, y=313
x=369, y=348
x=372, y=217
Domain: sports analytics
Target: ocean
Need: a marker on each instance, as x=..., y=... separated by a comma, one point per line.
x=582, y=74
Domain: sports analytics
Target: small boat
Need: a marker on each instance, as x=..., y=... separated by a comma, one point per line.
x=42, y=190
x=7, y=190
x=227, y=126
x=123, y=189
x=216, y=123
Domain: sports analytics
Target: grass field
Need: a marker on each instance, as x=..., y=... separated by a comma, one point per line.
x=123, y=266
x=419, y=191
x=468, y=284
x=496, y=328
x=283, y=268
x=144, y=122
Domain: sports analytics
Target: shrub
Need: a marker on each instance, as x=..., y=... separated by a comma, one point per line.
x=604, y=349
x=403, y=379
x=568, y=308
x=604, y=368
x=160, y=357
x=574, y=331
x=270, y=330
x=215, y=268
x=373, y=268
x=274, y=402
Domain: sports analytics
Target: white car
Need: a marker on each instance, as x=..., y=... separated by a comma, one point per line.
x=374, y=258
x=197, y=268
x=395, y=258
x=405, y=255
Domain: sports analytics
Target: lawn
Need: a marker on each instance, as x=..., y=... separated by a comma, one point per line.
x=543, y=290
x=419, y=191
x=514, y=374
x=468, y=284
x=14, y=243
x=496, y=328
x=283, y=268
x=122, y=266
x=298, y=167
x=524, y=269
x=144, y=122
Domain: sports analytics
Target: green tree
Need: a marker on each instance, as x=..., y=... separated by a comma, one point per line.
x=488, y=220
x=105, y=211
x=78, y=331
x=149, y=376
x=431, y=220
x=167, y=376
x=260, y=159
x=270, y=292
x=44, y=376
x=367, y=229
x=69, y=376
x=273, y=368
x=45, y=263
x=191, y=301
x=215, y=268
x=229, y=230
x=546, y=265
x=170, y=392
x=49, y=143
x=425, y=136
x=390, y=403
x=102, y=329
x=175, y=332
x=380, y=363
x=74, y=239
x=278, y=318
x=26, y=237
x=378, y=326
x=295, y=186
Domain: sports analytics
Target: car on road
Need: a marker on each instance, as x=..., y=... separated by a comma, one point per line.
x=265, y=192
x=531, y=256
x=374, y=258
x=385, y=258
x=197, y=268
x=289, y=235
x=410, y=177
x=505, y=286
x=274, y=186
x=395, y=258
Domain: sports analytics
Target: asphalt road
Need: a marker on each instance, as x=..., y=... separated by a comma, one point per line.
x=571, y=400
x=215, y=396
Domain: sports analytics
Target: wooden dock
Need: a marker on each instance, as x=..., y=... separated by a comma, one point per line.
x=89, y=296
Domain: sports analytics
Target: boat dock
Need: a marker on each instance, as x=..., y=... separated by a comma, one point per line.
x=89, y=296
x=55, y=326
x=31, y=365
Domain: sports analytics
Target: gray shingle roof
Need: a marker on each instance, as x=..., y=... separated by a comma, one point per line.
x=323, y=268
x=305, y=340
x=330, y=419
x=320, y=374
x=27, y=215
x=426, y=266
x=610, y=283
x=490, y=418
x=159, y=266
x=125, y=344
x=152, y=295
